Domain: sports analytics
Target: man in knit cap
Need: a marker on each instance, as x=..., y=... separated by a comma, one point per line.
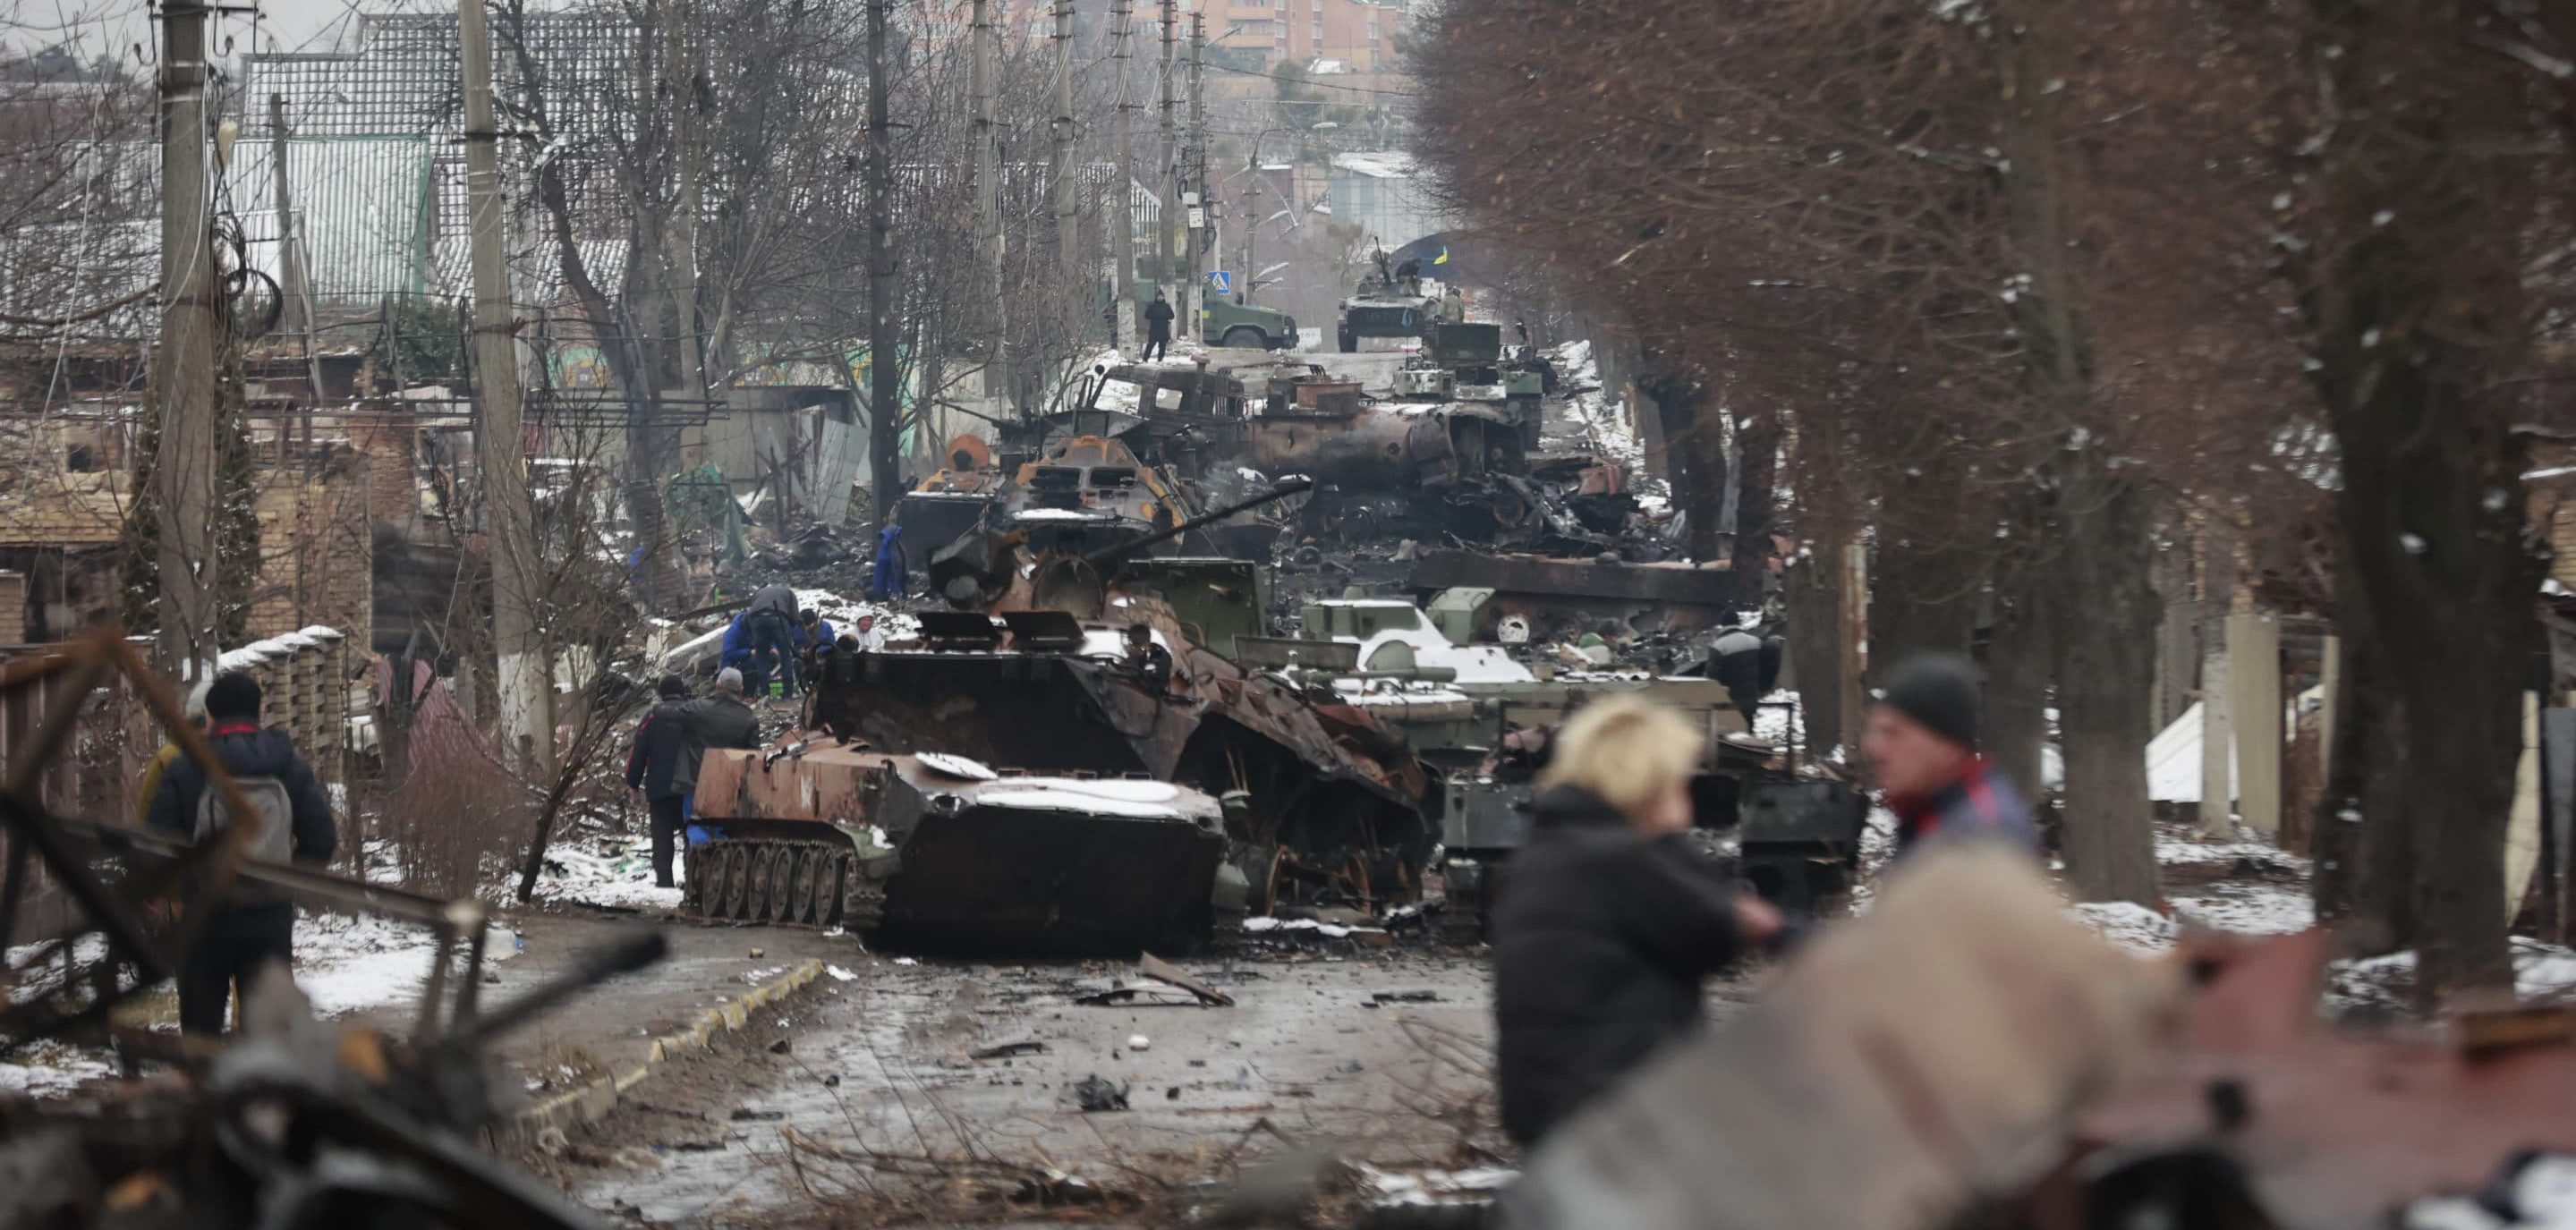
x=1922, y=743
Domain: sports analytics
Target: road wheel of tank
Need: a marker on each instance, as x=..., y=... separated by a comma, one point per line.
x=796, y=886
x=755, y=884
x=764, y=884
x=1245, y=337
x=729, y=873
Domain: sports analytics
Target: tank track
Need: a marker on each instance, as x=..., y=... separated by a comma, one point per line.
x=783, y=883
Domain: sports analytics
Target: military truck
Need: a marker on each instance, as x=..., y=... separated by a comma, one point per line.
x=1246, y=326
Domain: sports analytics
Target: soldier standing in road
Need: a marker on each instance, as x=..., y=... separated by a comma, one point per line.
x=661, y=743
x=1158, y=328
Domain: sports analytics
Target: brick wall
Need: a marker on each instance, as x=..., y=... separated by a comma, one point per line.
x=316, y=545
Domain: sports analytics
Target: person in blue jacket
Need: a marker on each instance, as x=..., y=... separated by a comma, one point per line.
x=891, y=577
x=736, y=651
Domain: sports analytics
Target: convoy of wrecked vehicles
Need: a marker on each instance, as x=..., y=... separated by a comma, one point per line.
x=1099, y=745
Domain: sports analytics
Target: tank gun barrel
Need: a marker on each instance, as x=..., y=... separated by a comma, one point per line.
x=1110, y=557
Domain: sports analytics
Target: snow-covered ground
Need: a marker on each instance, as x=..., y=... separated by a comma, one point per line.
x=615, y=873
x=2243, y=884
x=346, y=965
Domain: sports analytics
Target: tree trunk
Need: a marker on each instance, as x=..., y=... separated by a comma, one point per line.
x=1758, y=453
x=2418, y=310
x=1695, y=452
x=2106, y=627
x=1812, y=589
x=2017, y=665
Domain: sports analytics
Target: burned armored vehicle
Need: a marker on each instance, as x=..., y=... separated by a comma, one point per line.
x=1482, y=722
x=942, y=850
x=1103, y=662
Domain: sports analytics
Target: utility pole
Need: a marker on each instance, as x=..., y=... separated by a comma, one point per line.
x=1078, y=272
x=885, y=392
x=290, y=261
x=1168, y=180
x=183, y=367
x=1195, y=180
x=1122, y=241
x=525, y=674
x=988, y=213
x=688, y=137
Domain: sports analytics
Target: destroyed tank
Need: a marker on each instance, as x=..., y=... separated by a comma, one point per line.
x=940, y=850
x=1791, y=835
x=1034, y=669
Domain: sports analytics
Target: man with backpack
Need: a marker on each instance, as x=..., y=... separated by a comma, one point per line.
x=654, y=767
x=250, y=926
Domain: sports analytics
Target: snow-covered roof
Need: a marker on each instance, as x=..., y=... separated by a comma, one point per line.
x=1377, y=164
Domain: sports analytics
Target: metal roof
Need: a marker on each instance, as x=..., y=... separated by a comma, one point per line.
x=363, y=207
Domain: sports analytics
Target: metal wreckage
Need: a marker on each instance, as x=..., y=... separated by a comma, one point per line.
x=1091, y=750
x=296, y=1123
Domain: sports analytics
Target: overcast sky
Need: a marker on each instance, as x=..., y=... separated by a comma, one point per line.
x=115, y=27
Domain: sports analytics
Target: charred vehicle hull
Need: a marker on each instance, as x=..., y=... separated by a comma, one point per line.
x=1318, y=806
x=941, y=851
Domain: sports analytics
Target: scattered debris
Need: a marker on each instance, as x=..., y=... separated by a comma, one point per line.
x=1160, y=970
x=1005, y=1050
x=1139, y=1042
x=1098, y=1093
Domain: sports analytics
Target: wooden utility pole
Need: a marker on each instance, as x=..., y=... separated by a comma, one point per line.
x=183, y=367
x=1194, y=179
x=1122, y=203
x=885, y=390
x=988, y=212
x=1068, y=235
x=524, y=676
x=290, y=262
x=1167, y=182
x=680, y=76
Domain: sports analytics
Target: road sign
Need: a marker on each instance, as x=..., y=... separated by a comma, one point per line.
x=1220, y=281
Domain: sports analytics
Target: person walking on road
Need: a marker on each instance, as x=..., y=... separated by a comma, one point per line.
x=1921, y=742
x=1608, y=924
x=661, y=743
x=1158, y=328
x=250, y=930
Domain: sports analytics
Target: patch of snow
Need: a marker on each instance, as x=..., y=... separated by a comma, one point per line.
x=610, y=872
x=2128, y=925
x=1073, y=796
x=50, y=1069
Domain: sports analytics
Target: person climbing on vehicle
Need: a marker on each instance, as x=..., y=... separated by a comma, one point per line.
x=250, y=931
x=1158, y=328
x=770, y=633
x=1921, y=742
x=661, y=743
x=1410, y=273
x=1608, y=924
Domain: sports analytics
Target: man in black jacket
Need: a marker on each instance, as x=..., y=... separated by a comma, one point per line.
x=1158, y=328
x=718, y=721
x=654, y=766
x=1606, y=926
x=770, y=627
x=250, y=928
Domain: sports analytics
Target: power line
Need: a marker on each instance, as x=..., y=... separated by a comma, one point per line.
x=1309, y=81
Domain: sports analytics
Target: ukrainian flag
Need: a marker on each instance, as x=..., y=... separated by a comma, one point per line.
x=1443, y=258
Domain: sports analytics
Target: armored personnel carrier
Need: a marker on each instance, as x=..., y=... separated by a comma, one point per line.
x=1104, y=662
x=1383, y=306
x=942, y=850
x=1482, y=722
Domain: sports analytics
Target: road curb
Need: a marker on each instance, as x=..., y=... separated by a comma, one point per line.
x=594, y=1100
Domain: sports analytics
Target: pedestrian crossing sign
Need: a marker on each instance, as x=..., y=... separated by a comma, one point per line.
x=1221, y=281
